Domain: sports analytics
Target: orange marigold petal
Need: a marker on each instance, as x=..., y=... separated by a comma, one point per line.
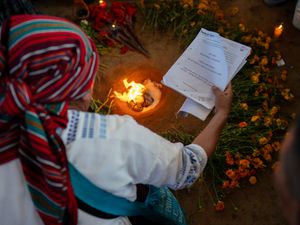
x=252, y=180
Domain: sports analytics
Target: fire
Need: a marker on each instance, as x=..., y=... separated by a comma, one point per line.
x=140, y=97
x=135, y=92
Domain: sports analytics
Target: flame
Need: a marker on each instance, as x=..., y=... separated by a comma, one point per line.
x=134, y=92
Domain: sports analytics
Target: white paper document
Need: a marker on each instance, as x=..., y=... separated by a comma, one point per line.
x=210, y=60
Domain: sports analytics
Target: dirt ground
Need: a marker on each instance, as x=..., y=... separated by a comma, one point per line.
x=250, y=204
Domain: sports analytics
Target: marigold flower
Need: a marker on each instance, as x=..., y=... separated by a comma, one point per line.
x=257, y=163
x=268, y=148
x=234, y=184
x=255, y=153
x=255, y=79
x=278, y=122
x=255, y=118
x=213, y=5
x=243, y=124
x=187, y=3
x=252, y=180
x=281, y=123
x=254, y=59
x=267, y=121
x=220, y=206
x=276, y=145
x=267, y=156
x=225, y=184
x=263, y=140
x=202, y=6
x=233, y=11
x=247, y=39
x=258, y=40
x=230, y=174
x=274, y=110
x=266, y=45
x=244, y=106
x=242, y=27
x=244, y=163
x=243, y=172
x=229, y=159
x=264, y=61
x=260, y=33
x=287, y=95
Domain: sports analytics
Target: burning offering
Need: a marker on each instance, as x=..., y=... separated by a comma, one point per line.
x=140, y=97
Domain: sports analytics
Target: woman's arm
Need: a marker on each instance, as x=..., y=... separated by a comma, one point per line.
x=208, y=138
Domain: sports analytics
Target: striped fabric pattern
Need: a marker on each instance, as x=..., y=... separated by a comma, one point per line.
x=45, y=62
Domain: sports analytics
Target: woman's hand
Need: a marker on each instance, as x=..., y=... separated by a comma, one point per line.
x=223, y=100
x=208, y=138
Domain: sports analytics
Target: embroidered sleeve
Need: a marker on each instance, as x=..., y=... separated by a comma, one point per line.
x=194, y=160
x=72, y=126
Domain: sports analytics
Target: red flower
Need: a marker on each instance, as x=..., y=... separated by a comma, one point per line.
x=123, y=50
x=123, y=12
x=110, y=43
x=220, y=206
x=103, y=34
x=119, y=15
x=100, y=16
x=131, y=11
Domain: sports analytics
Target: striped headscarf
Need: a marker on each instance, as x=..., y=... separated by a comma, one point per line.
x=45, y=62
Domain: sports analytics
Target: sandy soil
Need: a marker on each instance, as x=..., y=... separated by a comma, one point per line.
x=250, y=204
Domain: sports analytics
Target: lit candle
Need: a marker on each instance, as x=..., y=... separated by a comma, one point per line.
x=113, y=26
x=278, y=31
x=102, y=4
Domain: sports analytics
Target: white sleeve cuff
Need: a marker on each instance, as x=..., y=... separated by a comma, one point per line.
x=194, y=160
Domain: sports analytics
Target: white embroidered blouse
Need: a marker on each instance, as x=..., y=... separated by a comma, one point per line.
x=115, y=153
